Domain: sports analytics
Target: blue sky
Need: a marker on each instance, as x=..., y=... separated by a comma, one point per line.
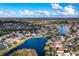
x=39, y=10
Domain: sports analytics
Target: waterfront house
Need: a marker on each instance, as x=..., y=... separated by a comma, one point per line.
x=9, y=40
x=33, y=34
x=38, y=34
x=20, y=36
x=3, y=46
x=27, y=33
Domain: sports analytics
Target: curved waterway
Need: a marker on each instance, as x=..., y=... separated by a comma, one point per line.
x=33, y=43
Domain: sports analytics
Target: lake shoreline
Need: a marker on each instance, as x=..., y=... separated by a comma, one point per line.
x=24, y=40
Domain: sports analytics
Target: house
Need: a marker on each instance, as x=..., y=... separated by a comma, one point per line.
x=27, y=33
x=12, y=40
x=16, y=39
x=3, y=46
x=62, y=38
x=58, y=43
x=8, y=40
x=60, y=51
x=33, y=34
x=38, y=34
x=20, y=35
x=1, y=38
x=77, y=33
x=67, y=54
x=77, y=43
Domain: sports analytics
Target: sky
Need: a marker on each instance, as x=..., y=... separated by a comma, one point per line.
x=39, y=10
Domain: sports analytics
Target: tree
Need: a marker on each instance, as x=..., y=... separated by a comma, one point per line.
x=25, y=52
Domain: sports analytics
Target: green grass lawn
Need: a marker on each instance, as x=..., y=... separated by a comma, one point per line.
x=24, y=52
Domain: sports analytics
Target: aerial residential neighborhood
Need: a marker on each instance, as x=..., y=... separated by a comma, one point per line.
x=62, y=38
x=39, y=29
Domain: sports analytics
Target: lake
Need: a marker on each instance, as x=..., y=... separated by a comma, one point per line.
x=63, y=29
x=33, y=43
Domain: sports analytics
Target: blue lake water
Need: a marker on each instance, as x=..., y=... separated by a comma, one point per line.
x=33, y=43
x=63, y=29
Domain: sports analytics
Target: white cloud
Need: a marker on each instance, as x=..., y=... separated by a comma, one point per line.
x=34, y=13
x=56, y=6
x=46, y=12
x=42, y=12
x=13, y=12
x=24, y=12
x=6, y=13
x=67, y=10
x=1, y=12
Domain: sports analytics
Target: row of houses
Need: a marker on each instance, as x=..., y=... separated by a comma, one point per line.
x=10, y=39
x=58, y=45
